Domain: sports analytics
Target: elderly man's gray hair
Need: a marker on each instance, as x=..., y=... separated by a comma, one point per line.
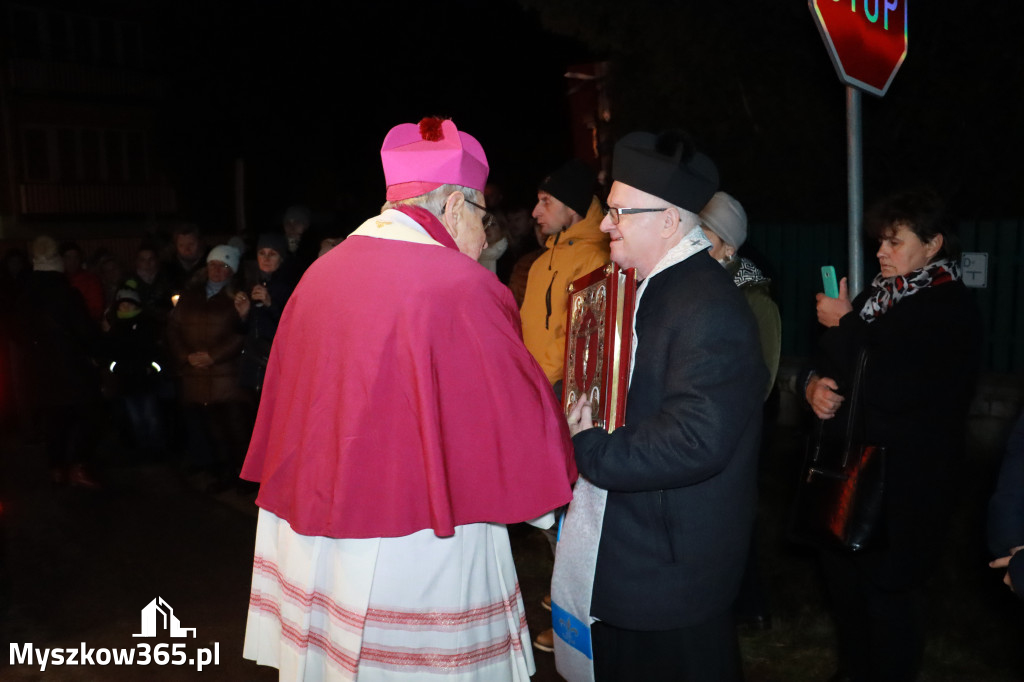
x=433, y=201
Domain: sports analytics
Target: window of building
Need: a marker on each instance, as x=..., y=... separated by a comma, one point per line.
x=58, y=37
x=114, y=143
x=131, y=45
x=108, y=43
x=26, y=33
x=67, y=155
x=83, y=35
x=92, y=166
x=38, y=166
x=87, y=155
x=135, y=156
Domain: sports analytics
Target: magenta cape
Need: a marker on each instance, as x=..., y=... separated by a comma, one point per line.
x=399, y=397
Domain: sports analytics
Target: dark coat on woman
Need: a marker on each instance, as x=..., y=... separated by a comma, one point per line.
x=58, y=339
x=261, y=326
x=917, y=387
x=681, y=473
x=198, y=323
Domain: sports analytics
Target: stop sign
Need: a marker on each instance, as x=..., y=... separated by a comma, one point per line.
x=867, y=39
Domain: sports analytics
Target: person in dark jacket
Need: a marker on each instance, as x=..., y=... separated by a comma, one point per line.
x=151, y=283
x=205, y=341
x=134, y=349
x=302, y=240
x=1006, y=513
x=260, y=309
x=187, y=261
x=58, y=341
x=724, y=223
x=917, y=323
x=672, y=493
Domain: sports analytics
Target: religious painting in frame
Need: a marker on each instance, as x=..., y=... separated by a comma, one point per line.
x=598, y=341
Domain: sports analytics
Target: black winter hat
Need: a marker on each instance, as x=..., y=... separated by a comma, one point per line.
x=573, y=185
x=275, y=241
x=668, y=166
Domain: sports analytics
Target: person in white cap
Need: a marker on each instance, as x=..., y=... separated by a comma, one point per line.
x=725, y=225
x=205, y=342
x=403, y=423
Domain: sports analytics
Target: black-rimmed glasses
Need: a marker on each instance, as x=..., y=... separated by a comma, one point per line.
x=614, y=213
x=489, y=221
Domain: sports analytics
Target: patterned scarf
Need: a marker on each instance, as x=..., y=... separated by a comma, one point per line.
x=747, y=273
x=891, y=290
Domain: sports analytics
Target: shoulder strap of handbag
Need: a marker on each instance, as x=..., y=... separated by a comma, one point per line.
x=855, y=419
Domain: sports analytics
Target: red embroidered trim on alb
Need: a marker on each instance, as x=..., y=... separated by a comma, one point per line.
x=307, y=600
x=437, y=658
x=431, y=658
x=444, y=619
x=303, y=640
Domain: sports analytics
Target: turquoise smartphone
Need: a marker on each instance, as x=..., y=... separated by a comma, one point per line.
x=829, y=281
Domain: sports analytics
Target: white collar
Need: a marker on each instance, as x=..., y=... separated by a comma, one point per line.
x=692, y=243
x=392, y=224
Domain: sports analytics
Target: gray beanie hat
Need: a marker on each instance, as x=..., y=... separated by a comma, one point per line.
x=724, y=216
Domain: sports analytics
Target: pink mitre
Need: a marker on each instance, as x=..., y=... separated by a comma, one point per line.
x=419, y=158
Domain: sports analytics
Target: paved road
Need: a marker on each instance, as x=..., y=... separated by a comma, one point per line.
x=83, y=564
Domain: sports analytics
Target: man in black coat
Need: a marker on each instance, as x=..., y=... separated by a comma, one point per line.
x=673, y=491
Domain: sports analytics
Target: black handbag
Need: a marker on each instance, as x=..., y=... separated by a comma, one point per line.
x=840, y=495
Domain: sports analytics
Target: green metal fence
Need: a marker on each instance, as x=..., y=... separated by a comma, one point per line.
x=792, y=255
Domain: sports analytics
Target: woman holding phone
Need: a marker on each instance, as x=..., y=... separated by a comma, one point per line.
x=918, y=324
x=260, y=310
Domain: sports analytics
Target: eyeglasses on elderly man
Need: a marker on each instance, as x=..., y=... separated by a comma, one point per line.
x=614, y=213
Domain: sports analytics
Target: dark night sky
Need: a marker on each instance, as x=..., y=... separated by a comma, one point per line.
x=305, y=91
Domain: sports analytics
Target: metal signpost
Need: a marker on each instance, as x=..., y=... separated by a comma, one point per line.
x=867, y=41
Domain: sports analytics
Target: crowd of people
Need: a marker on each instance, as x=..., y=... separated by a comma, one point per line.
x=395, y=430
x=170, y=348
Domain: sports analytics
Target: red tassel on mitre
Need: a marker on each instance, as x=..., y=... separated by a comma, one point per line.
x=430, y=129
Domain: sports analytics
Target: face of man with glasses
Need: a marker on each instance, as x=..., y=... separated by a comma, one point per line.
x=640, y=228
x=473, y=240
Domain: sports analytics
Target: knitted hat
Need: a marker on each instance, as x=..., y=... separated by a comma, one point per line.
x=725, y=217
x=128, y=294
x=572, y=184
x=666, y=165
x=273, y=240
x=419, y=158
x=228, y=255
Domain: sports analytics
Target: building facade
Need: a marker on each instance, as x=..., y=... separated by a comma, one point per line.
x=78, y=122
